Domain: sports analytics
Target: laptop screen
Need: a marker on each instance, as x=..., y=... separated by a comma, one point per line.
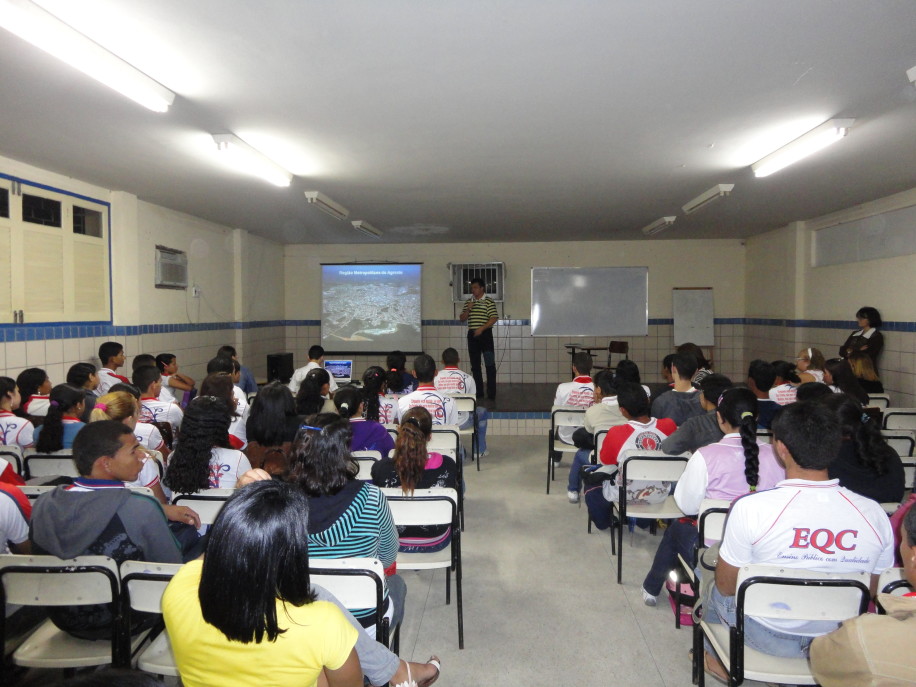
x=340, y=370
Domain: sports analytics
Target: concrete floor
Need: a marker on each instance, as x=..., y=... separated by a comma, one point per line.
x=541, y=602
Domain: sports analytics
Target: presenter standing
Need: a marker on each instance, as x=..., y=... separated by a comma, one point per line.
x=480, y=314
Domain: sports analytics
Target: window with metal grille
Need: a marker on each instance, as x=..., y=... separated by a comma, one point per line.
x=492, y=274
x=39, y=210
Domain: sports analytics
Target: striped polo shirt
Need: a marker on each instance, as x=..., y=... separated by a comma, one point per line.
x=481, y=312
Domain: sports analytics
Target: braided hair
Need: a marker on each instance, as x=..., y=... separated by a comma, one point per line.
x=63, y=398
x=738, y=407
x=410, y=447
x=374, y=384
x=205, y=426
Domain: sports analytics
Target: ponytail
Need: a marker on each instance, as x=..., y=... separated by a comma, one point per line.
x=738, y=407
x=410, y=447
x=373, y=382
x=63, y=397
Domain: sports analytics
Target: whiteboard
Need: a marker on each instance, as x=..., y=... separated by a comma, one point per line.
x=589, y=301
x=693, y=317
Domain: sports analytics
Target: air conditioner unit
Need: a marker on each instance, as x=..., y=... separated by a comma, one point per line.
x=171, y=268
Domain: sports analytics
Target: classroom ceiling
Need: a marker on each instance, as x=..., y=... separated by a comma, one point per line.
x=472, y=120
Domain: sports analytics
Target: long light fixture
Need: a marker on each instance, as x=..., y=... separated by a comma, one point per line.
x=364, y=227
x=43, y=30
x=244, y=158
x=707, y=197
x=658, y=225
x=325, y=204
x=911, y=75
x=807, y=144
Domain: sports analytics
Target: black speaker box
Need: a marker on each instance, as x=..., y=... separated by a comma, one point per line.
x=280, y=366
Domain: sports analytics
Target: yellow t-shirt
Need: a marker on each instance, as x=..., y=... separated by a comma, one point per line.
x=317, y=635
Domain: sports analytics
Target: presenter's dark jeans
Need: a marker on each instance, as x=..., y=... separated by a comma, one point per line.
x=483, y=345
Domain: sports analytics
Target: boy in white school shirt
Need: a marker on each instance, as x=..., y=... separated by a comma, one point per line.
x=451, y=380
x=112, y=356
x=149, y=380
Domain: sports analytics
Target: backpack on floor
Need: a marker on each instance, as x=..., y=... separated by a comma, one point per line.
x=688, y=600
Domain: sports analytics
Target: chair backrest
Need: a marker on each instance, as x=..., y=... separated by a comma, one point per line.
x=567, y=417
x=893, y=581
x=49, y=464
x=900, y=418
x=366, y=460
x=142, y=584
x=13, y=455
x=445, y=440
x=356, y=582
x=711, y=521
x=909, y=474
x=435, y=506
x=903, y=441
x=802, y=594
x=656, y=466
x=599, y=438
x=32, y=492
x=622, y=347
x=206, y=503
x=392, y=429
x=764, y=435
x=465, y=403
x=878, y=401
x=52, y=581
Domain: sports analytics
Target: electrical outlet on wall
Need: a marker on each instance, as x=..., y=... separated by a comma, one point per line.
x=195, y=291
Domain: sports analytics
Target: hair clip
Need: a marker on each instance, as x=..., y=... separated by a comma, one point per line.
x=412, y=421
x=394, y=369
x=54, y=404
x=317, y=429
x=746, y=413
x=344, y=406
x=101, y=406
x=865, y=418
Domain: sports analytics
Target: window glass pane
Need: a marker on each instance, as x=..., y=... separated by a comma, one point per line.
x=4, y=202
x=87, y=222
x=38, y=210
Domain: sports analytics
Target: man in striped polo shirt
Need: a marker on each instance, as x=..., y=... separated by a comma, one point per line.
x=480, y=314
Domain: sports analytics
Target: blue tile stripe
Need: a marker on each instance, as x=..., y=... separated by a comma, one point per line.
x=75, y=330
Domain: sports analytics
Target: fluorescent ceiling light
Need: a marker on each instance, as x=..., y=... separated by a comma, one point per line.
x=367, y=229
x=807, y=144
x=43, y=30
x=707, y=197
x=325, y=204
x=658, y=225
x=911, y=75
x=244, y=158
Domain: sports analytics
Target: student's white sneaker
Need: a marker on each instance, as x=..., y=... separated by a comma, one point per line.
x=648, y=599
x=573, y=496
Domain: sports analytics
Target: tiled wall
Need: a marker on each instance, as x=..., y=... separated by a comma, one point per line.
x=523, y=359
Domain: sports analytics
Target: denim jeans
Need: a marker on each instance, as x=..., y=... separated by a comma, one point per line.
x=482, y=422
x=679, y=538
x=721, y=609
x=582, y=457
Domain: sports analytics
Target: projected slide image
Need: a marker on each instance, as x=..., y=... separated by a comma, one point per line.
x=371, y=307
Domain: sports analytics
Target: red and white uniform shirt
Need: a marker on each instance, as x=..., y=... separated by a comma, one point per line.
x=154, y=410
x=635, y=436
x=107, y=379
x=388, y=410
x=817, y=526
x=451, y=380
x=15, y=511
x=440, y=406
x=37, y=405
x=579, y=393
x=784, y=394
x=15, y=430
x=226, y=466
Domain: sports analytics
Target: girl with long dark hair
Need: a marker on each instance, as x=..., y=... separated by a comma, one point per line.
x=272, y=426
x=733, y=466
x=62, y=423
x=838, y=373
x=380, y=405
x=312, y=397
x=368, y=435
x=34, y=387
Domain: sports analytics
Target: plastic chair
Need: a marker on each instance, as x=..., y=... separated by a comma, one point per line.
x=710, y=529
x=899, y=418
x=33, y=491
x=879, y=401
x=777, y=593
x=561, y=417
x=466, y=403
x=765, y=435
x=207, y=503
x=432, y=507
x=142, y=586
x=366, y=460
x=445, y=439
x=903, y=441
x=52, y=581
x=13, y=455
x=893, y=581
x=59, y=463
x=357, y=583
x=654, y=466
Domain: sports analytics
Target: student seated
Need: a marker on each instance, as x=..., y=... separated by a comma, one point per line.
x=785, y=386
x=241, y=408
x=839, y=376
x=314, y=392
x=451, y=380
x=380, y=405
x=368, y=435
x=864, y=371
x=441, y=407
x=34, y=387
x=683, y=401
x=272, y=426
x=98, y=516
x=152, y=409
x=604, y=413
x=147, y=360
x=761, y=376
x=173, y=382
x=62, y=423
x=874, y=649
x=400, y=381
x=703, y=365
x=733, y=466
x=413, y=467
x=777, y=527
x=579, y=393
x=14, y=430
x=628, y=371
x=85, y=376
x=111, y=356
x=810, y=365
x=640, y=432
x=700, y=430
x=316, y=361
x=246, y=380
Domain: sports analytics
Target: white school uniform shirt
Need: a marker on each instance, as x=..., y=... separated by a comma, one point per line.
x=226, y=466
x=784, y=394
x=817, y=526
x=154, y=410
x=440, y=406
x=579, y=393
x=451, y=380
x=149, y=436
x=107, y=379
x=13, y=525
x=15, y=430
x=148, y=477
x=388, y=410
x=237, y=427
x=299, y=377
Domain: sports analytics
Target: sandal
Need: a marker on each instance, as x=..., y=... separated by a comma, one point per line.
x=410, y=682
x=707, y=667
